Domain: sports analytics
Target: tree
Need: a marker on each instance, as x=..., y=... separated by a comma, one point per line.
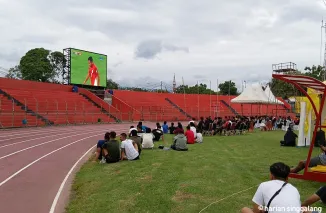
x=316, y=72
x=14, y=73
x=111, y=84
x=36, y=65
x=228, y=88
x=282, y=89
x=57, y=61
x=197, y=89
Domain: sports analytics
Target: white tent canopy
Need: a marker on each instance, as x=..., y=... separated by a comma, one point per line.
x=253, y=94
x=271, y=98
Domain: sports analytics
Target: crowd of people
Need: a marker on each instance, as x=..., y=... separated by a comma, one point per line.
x=276, y=193
x=141, y=137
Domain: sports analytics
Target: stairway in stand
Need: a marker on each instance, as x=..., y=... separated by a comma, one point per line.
x=179, y=108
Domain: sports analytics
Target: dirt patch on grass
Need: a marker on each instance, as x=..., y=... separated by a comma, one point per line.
x=183, y=185
x=157, y=164
x=182, y=196
x=126, y=204
x=117, y=171
x=146, y=178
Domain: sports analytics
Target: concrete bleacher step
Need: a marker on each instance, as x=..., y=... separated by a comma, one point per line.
x=101, y=108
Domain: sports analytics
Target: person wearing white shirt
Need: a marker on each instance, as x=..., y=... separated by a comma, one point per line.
x=129, y=148
x=199, y=138
x=148, y=137
x=192, y=121
x=276, y=195
x=132, y=128
x=193, y=129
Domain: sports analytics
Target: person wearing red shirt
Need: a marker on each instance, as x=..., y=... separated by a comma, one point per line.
x=190, y=136
x=93, y=74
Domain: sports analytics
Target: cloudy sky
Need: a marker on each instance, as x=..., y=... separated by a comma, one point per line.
x=147, y=41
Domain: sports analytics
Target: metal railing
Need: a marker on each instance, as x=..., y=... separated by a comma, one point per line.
x=46, y=111
x=34, y=112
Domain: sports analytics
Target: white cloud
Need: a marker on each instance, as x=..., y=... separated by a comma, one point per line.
x=214, y=39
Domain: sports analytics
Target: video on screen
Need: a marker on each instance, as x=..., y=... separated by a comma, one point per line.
x=88, y=68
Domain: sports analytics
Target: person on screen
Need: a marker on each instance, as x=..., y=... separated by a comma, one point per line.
x=93, y=74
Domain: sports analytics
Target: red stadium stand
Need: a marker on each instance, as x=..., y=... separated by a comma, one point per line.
x=151, y=106
x=45, y=103
x=166, y=106
x=12, y=115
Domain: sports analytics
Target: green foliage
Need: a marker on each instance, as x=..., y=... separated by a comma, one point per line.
x=286, y=90
x=228, y=87
x=36, y=66
x=39, y=64
x=112, y=85
x=197, y=89
x=283, y=89
x=186, y=182
x=14, y=73
x=57, y=61
x=316, y=72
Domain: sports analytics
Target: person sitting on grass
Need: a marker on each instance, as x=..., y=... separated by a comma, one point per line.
x=132, y=128
x=199, y=138
x=179, y=128
x=200, y=125
x=129, y=148
x=193, y=120
x=99, y=149
x=134, y=137
x=276, y=193
x=158, y=133
x=193, y=129
x=142, y=126
x=179, y=141
x=320, y=195
x=319, y=160
x=165, y=128
x=139, y=131
x=190, y=136
x=111, y=149
x=172, y=128
x=289, y=138
x=148, y=137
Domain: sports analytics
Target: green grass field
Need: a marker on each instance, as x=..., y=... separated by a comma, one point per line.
x=186, y=182
x=79, y=66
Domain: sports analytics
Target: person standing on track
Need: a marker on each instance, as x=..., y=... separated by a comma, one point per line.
x=93, y=74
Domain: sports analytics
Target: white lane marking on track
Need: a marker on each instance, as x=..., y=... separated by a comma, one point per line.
x=56, y=128
x=55, y=201
x=40, y=133
x=45, y=143
x=44, y=156
x=32, y=132
x=40, y=138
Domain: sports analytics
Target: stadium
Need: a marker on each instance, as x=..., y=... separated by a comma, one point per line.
x=73, y=141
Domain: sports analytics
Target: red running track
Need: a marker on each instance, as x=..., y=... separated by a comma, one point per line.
x=35, y=162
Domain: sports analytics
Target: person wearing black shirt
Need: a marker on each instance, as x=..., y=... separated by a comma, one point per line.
x=200, y=125
x=289, y=138
x=158, y=133
x=319, y=195
x=172, y=128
